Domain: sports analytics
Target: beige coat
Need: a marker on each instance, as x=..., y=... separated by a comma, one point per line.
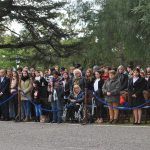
x=26, y=87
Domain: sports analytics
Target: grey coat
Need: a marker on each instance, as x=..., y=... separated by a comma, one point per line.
x=112, y=86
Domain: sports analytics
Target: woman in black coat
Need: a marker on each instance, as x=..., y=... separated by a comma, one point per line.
x=67, y=84
x=136, y=86
x=98, y=84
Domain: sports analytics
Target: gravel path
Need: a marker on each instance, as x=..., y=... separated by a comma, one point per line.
x=38, y=136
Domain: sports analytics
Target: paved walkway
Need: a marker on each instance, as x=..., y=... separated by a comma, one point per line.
x=38, y=136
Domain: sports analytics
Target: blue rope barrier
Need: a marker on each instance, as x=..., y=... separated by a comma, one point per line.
x=36, y=105
x=119, y=107
x=9, y=99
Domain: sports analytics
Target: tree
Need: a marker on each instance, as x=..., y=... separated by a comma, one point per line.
x=120, y=33
x=41, y=29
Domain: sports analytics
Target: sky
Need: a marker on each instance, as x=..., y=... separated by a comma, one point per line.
x=15, y=26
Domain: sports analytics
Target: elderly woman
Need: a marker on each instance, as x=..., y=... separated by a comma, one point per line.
x=111, y=90
x=78, y=79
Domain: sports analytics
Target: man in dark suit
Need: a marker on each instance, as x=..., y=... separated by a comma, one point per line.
x=4, y=94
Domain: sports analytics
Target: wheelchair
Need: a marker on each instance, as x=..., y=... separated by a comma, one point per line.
x=73, y=112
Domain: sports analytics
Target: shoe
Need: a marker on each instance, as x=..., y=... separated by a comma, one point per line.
x=53, y=121
x=115, y=121
x=97, y=121
x=100, y=121
x=111, y=121
x=135, y=123
x=26, y=120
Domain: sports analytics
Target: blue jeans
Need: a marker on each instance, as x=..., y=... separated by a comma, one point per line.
x=57, y=109
x=25, y=109
x=38, y=111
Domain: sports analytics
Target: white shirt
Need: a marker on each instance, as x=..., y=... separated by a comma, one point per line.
x=96, y=84
x=2, y=78
x=135, y=79
x=38, y=78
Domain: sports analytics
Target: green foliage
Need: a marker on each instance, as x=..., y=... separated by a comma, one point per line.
x=109, y=32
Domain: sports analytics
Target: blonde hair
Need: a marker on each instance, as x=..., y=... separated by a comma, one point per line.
x=76, y=86
x=77, y=70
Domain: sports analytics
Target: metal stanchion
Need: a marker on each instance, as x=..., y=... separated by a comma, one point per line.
x=18, y=117
x=85, y=109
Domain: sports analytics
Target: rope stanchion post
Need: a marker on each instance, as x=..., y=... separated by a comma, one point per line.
x=18, y=117
x=19, y=106
x=85, y=108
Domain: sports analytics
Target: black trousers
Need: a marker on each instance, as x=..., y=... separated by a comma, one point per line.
x=5, y=110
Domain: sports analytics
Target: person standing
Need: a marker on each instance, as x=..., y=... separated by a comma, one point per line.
x=123, y=78
x=13, y=89
x=136, y=86
x=35, y=94
x=78, y=79
x=57, y=100
x=25, y=89
x=43, y=86
x=98, y=84
x=4, y=94
x=111, y=91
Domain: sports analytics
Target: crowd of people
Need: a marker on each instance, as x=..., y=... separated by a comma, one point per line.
x=72, y=95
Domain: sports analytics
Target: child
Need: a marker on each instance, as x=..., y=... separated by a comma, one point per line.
x=36, y=99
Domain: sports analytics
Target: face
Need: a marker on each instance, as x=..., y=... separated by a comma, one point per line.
x=65, y=75
x=142, y=74
x=9, y=72
x=2, y=73
x=25, y=74
x=71, y=70
x=55, y=76
x=34, y=85
x=49, y=72
x=135, y=73
x=106, y=70
x=121, y=70
x=77, y=90
x=78, y=74
x=37, y=73
x=56, y=68
x=111, y=76
x=129, y=69
x=148, y=74
x=26, y=68
x=14, y=74
x=88, y=73
x=97, y=75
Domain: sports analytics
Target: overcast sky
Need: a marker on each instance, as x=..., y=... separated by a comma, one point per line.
x=17, y=27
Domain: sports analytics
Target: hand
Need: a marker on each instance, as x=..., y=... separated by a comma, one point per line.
x=108, y=93
x=134, y=95
x=72, y=100
x=1, y=94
